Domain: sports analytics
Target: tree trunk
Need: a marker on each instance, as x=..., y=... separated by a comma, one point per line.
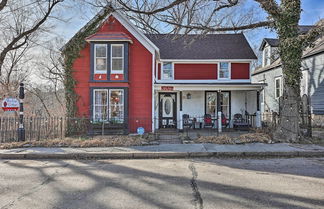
x=288, y=129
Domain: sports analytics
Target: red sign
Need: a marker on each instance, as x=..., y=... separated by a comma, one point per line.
x=10, y=104
x=167, y=88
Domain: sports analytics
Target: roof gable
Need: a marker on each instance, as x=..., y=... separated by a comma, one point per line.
x=100, y=18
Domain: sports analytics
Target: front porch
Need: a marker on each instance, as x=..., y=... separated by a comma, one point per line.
x=213, y=107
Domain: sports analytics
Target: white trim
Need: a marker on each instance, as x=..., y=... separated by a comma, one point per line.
x=153, y=93
x=123, y=59
x=135, y=32
x=95, y=60
x=202, y=61
x=206, y=81
x=229, y=71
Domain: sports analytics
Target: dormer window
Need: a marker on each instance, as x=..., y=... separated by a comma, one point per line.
x=266, y=56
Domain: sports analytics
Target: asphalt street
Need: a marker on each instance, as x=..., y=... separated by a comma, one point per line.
x=165, y=183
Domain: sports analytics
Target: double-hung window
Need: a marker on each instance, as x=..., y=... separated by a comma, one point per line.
x=100, y=105
x=116, y=105
x=224, y=70
x=117, y=59
x=167, y=71
x=278, y=87
x=100, y=58
x=108, y=105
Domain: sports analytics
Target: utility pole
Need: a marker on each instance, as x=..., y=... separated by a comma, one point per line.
x=21, y=129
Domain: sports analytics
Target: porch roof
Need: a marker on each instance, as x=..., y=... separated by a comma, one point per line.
x=210, y=86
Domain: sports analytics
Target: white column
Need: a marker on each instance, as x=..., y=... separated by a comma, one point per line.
x=258, y=119
x=181, y=121
x=219, y=121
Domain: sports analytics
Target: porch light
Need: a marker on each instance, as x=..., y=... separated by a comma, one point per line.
x=188, y=96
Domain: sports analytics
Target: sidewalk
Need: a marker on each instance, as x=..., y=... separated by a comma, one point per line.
x=254, y=150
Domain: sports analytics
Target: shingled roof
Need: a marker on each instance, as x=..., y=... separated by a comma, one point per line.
x=210, y=46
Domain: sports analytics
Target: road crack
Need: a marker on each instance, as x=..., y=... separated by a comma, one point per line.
x=197, y=201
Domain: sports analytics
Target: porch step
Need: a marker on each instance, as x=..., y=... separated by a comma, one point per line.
x=173, y=138
x=168, y=131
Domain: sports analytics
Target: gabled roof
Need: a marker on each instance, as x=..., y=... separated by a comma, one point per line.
x=210, y=46
x=273, y=42
x=106, y=12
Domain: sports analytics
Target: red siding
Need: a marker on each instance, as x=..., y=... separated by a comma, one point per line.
x=140, y=79
x=159, y=71
x=240, y=71
x=195, y=71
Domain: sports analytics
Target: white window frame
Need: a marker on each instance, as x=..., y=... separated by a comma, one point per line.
x=95, y=59
x=280, y=87
x=94, y=103
x=229, y=71
x=172, y=71
x=109, y=104
x=123, y=59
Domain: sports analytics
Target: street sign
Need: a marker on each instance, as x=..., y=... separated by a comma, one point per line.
x=10, y=104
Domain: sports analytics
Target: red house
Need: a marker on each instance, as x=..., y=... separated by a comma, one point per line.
x=163, y=81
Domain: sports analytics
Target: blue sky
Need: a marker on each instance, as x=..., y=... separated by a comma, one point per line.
x=313, y=10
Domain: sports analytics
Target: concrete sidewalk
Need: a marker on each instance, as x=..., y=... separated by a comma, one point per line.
x=168, y=151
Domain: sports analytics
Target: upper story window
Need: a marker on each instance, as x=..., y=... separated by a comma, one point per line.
x=224, y=71
x=167, y=71
x=278, y=87
x=117, y=59
x=100, y=58
x=266, y=56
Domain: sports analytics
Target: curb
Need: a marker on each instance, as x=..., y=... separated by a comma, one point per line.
x=157, y=155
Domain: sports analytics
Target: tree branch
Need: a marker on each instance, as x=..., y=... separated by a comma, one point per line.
x=270, y=6
x=3, y=3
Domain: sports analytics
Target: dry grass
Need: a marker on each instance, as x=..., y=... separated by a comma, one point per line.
x=98, y=141
x=244, y=138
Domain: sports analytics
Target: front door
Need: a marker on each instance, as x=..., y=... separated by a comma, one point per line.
x=167, y=110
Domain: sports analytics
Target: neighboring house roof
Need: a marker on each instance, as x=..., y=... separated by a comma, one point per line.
x=111, y=36
x=309, y=51
x=274, y=42
x=210, y=46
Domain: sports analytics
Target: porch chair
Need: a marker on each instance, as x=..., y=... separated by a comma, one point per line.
x=239, y=122
x=225, y=121
x=208, y=122
x=187, y=122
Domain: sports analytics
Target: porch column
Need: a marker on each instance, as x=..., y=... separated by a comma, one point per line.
x=258, y=112
x=219, y=113
x=181, y=121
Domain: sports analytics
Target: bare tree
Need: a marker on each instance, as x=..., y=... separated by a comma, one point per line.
x=20, y=21
x=187, y=16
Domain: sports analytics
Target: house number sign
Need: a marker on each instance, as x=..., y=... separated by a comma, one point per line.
x=167, y=88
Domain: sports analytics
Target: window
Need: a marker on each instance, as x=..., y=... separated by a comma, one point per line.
x=278, y=87
x=108, y=105
x=225, y=103
x=224, y=72
x=211, y=103
x=100, y=58
x=167, y=71
x=100, y=105
x=304, y=82
x=116, y=105
x=117, y=59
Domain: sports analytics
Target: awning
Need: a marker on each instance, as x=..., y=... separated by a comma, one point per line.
x=210, y=87
x=111, y=36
